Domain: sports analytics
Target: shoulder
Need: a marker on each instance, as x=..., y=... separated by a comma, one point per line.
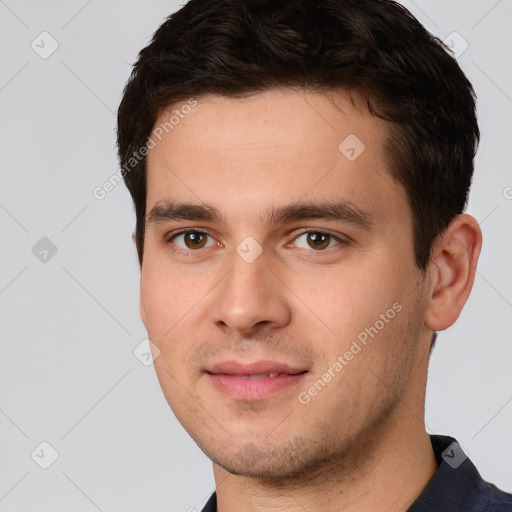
x=499, y=500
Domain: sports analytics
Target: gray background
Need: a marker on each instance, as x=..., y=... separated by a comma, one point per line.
x=70, y=323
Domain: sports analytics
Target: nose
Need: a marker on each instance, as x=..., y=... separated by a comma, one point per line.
x=251, y=298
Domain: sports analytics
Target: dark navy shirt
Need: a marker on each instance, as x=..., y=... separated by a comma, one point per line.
x=456, y=486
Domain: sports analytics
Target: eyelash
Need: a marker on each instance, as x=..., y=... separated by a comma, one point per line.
x=190, y=252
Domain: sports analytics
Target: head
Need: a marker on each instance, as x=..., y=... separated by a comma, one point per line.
x=321, y=154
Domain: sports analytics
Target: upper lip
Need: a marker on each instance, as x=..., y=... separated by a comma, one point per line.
x=256, y=368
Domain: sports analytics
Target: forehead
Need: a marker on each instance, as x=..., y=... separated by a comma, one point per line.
x=271, y=148
x=274, y=117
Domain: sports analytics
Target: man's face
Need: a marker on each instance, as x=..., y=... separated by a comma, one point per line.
x=253, y=293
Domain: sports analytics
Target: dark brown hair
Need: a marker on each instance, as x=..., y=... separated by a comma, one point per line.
x=375, y=47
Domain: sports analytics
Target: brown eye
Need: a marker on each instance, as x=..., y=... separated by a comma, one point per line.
x=194, y=239
x=317, y=240
x=190, y=239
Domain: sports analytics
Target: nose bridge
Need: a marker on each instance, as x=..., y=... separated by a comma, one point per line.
x=250, y=294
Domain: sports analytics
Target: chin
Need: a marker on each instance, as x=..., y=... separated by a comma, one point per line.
x=294, y=459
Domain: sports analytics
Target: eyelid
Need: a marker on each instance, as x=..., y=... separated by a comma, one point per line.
x=169, y=237
x=338, y=236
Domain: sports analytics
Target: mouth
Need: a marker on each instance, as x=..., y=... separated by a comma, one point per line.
x=256, y=381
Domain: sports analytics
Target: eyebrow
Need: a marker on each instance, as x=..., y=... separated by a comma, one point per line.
x=341, y=211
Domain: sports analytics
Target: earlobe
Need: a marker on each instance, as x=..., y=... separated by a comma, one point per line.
x=452, y=271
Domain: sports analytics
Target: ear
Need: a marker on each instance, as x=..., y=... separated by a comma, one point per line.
x=451, y=271
x=134, y=239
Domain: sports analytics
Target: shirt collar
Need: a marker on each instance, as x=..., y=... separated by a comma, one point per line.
x=456, y=485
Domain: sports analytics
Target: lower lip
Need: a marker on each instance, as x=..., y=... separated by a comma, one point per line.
x=244, y=388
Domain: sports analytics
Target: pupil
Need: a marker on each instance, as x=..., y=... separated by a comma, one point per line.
x=195, y=238
x=319, y=239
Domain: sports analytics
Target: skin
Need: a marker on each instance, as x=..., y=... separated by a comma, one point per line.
x=360, y=443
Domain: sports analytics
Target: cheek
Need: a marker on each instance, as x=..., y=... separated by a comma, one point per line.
x=165, y=288
x=156, y=303
x=349, y=299
x=165, y=318
x=172, y=307
x=163, y=300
